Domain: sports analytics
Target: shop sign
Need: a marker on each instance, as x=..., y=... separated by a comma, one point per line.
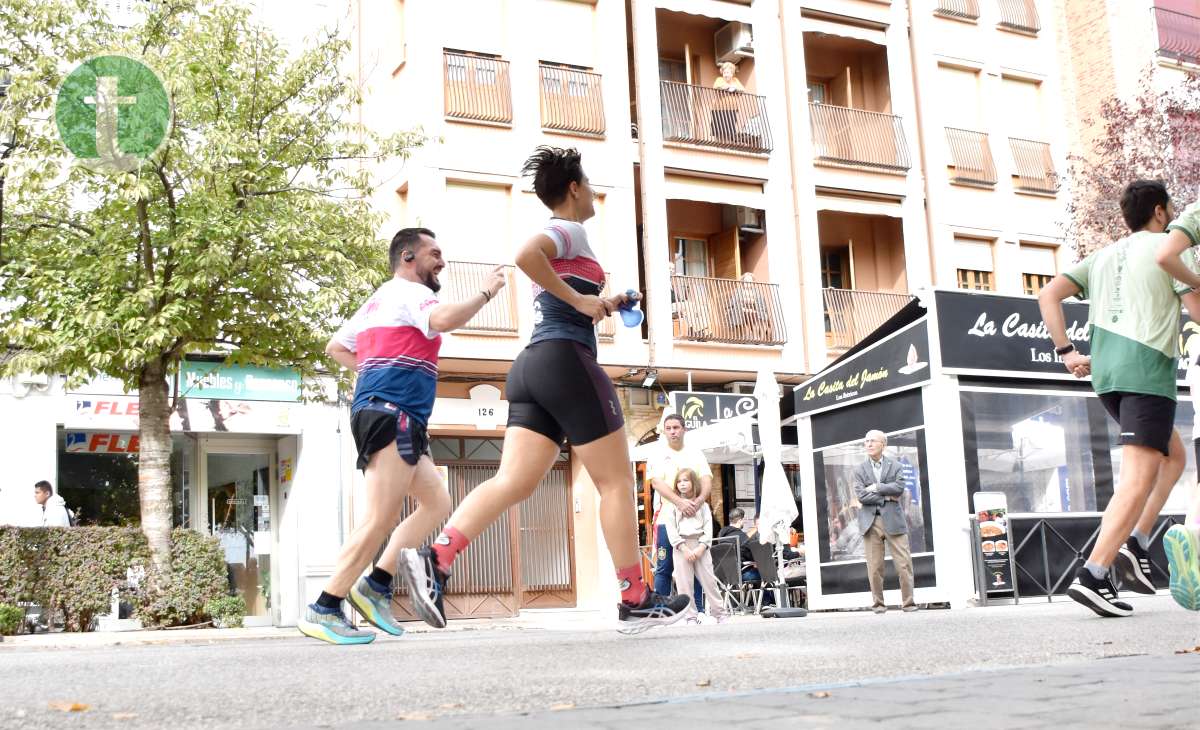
x=896, y=363
x=99, y=442
x=120, y=413
x=237, y=382
x=700, y=409
x=994, y=541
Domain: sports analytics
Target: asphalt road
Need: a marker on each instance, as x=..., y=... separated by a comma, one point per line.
x=298, y=682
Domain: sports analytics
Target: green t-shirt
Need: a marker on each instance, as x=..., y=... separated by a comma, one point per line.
x=1134, y=312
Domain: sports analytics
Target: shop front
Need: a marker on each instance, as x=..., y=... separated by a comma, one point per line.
x=1008, y=460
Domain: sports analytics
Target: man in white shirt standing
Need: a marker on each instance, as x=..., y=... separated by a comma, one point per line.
x=673, y=456
x=51, y=509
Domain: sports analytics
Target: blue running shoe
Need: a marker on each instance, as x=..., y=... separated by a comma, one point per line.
x=426, y=583
x=331, y=627
x=1182, y=546
x=375, y=606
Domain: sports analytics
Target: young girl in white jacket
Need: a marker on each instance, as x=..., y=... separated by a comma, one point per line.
x=691, y=537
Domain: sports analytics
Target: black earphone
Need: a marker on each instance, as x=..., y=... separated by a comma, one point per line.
x=409, y=256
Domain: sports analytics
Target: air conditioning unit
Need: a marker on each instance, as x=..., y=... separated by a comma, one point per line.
x=733, y=42
x=748, y=220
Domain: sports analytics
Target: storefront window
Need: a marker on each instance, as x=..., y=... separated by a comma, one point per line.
x=98, y=477
x=1036, y=448
x=839, y=463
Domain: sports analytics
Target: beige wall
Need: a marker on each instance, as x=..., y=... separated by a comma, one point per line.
x=855, y=72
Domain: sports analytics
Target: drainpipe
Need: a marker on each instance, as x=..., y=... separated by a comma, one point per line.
x=922, y=148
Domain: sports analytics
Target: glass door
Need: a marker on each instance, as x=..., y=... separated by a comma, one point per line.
x=238, y=504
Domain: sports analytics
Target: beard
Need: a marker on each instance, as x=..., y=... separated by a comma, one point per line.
x=430, y=280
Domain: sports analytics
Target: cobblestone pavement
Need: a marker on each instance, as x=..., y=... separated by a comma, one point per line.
x=1130, y=692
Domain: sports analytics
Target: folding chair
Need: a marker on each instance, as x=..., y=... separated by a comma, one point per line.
x=764, y=560
x=727, y=566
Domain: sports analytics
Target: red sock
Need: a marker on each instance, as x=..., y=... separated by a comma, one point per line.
x=448, y=545
x=633, y=585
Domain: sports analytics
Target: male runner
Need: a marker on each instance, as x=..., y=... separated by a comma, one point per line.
x=1134, y=318
x=393, y=342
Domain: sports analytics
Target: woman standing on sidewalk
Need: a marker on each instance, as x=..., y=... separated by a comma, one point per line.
x=691, y=538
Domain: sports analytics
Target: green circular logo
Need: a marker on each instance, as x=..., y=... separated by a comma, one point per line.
x=112, y=113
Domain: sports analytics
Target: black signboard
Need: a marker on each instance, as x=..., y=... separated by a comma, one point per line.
x=899, y=361
x=700, y=409
x=994, y=544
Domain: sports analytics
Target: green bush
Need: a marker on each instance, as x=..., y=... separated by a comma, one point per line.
x=74, y=570
x=227, y=611
x=10, y=619
x=198, y=575
x=68, y=570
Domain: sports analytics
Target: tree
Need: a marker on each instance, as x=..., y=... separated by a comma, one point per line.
x=248, y=232
x=1152, y=136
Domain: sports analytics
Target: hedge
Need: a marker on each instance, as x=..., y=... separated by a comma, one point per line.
x=73, y=571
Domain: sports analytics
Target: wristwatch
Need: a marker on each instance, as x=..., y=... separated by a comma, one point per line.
x=1069, y=347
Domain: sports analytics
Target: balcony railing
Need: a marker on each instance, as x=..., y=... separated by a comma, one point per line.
x=963, y=9
x=1019, y=15
x=727, y=310
x=571, y=100
x=734, y=120
x=478, y=88
x=851, y=315
x=971, y=156
x=607, y=329
x=1178, y=35
x=463, y=279
x=1034, y=166
x=858, y=137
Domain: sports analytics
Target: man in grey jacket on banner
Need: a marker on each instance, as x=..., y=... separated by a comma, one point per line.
x=881, y=520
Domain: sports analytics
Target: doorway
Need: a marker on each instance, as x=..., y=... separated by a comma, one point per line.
x=238, y=503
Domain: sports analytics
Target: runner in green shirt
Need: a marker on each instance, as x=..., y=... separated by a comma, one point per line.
x=1134, y=287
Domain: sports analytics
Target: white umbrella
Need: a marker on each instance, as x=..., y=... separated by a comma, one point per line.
x=777, y=508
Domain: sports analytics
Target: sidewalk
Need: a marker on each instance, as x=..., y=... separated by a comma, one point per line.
x=528, y=620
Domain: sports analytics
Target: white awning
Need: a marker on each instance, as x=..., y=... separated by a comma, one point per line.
x=705, y=190
x=709, y=8
x=871, y=35
x=861, y=206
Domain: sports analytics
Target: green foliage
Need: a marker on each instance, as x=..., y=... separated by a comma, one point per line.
x=73, y=571
x=10, y=619
x=227, y=611
x=198, y=575
x=68, y=570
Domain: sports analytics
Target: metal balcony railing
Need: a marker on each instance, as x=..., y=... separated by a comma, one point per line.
x=607, y=329
x=851, y=315
x=462, y=279
x=1019, y=15
x=971, y=156
x=1178, y=35
x=964, y=9
x=727, y=310
x=571, y=100
x=734, y=120
x=858, y=137
x=1034, y=166
x=477, y=87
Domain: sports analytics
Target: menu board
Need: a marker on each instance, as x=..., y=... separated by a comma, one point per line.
x=991, y=510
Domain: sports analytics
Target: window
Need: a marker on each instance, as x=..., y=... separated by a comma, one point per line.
x=973, y=261
x=833, y=269
x=1021, y=105
x=691, y=257
x=482, y=236
x=98, y=477
x=1033, y=283
x=1038, y=267
x=838, y=464
x=960, y=99
x=818, y=91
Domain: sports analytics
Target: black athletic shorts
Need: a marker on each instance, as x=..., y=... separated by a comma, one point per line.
x=1145, y=420
x=380, y=424
x=557, y=388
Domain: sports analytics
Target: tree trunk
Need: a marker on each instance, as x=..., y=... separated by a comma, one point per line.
x=154, y=463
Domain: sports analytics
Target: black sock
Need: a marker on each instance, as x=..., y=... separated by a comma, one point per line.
x=326, y=600
x=381, y=577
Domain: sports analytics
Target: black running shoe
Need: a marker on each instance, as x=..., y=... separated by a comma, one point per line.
x=655, y=610
x=426, y=583
x=1133, y=565
x=1098, y=594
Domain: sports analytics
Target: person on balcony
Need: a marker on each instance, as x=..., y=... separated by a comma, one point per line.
x=725, y=107
x=748, y=316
